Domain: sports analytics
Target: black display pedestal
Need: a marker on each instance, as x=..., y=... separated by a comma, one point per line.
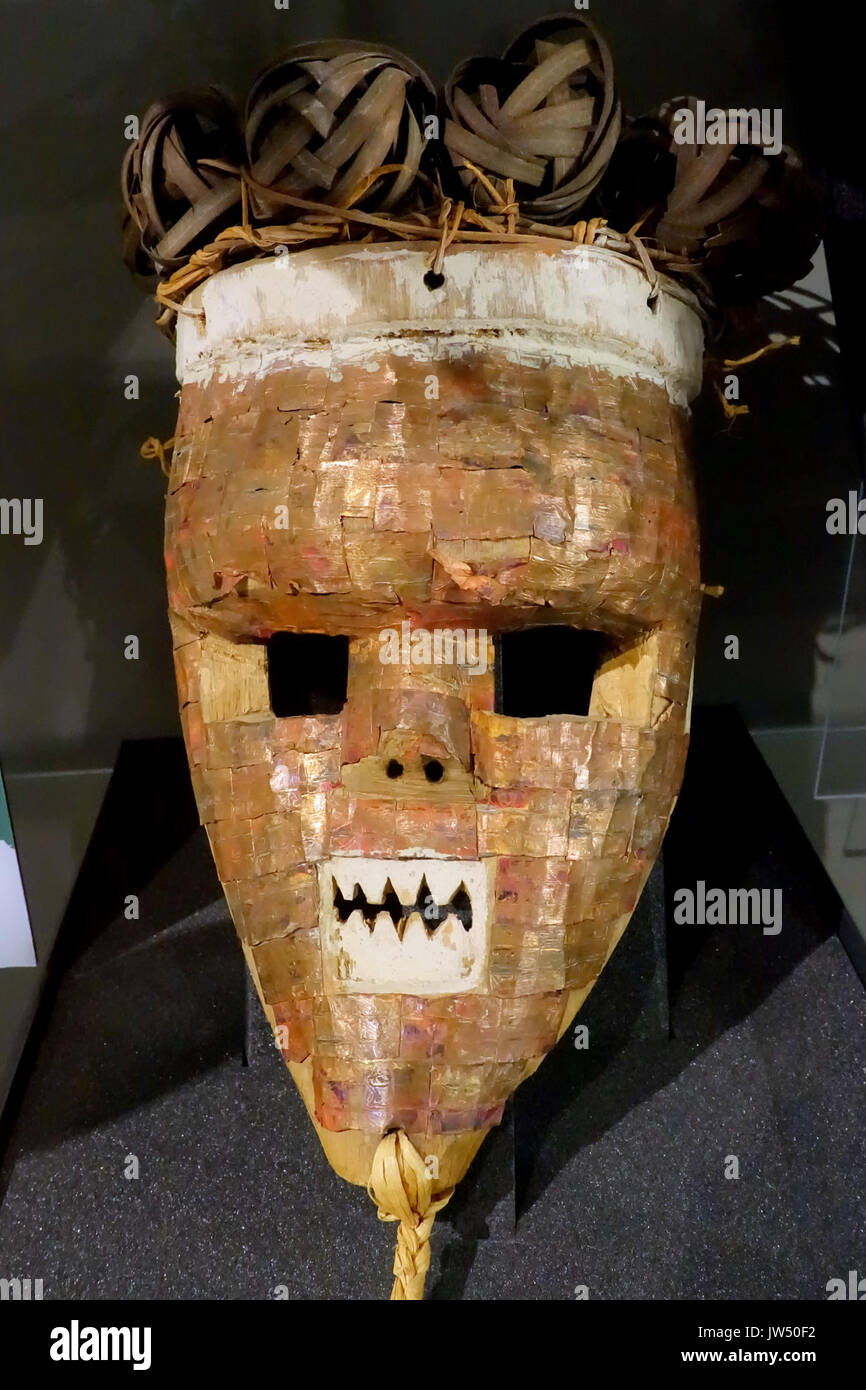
x=155, y=1147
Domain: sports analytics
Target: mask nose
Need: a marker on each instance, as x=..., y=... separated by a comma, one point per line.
x=406, y=730
x=418, y=748
x=426, y=746
x=433, y=769
x=419, y=766
x=409, y=777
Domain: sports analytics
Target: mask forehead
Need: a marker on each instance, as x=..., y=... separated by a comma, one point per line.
x=457, y=476
x=419, y=942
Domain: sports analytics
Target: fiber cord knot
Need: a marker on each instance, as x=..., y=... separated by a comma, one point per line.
x=402, y=1188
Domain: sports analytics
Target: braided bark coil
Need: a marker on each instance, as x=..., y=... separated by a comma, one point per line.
x=327, y=117
x=180, y=179
x=546, y=116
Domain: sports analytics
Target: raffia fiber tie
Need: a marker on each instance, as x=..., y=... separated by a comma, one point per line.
x=154, y=448
x=649, y=269
x=585, y=233
x=446, y=226
x=771, y=346
x=450, y=227
x=732, y=411
x=402, y=1189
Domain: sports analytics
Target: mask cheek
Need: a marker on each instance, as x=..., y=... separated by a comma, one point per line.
x=576, y=807
x=218, y=682
x=646, y=683
x=260, y=784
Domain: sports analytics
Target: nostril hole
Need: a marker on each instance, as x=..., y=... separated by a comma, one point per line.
x=434, y=771
x=433, y=280
x=394, y=768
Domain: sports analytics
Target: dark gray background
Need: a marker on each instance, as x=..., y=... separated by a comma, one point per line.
x=77, y=325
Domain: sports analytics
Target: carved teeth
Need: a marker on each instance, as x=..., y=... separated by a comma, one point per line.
x=344, y=873
x=406, y=877
x=415, y=934
x=404, y=926
x=349, y=878
x=444, y=879
x=390, y=906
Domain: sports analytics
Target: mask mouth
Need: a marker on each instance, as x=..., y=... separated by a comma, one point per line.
x=413, y=926
x=432, y=914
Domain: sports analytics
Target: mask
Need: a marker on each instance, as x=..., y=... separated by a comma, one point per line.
x=399, y=517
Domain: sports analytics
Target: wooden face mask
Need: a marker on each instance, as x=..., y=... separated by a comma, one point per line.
x=386, y=502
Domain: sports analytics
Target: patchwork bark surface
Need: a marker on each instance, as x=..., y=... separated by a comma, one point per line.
x=344, y=500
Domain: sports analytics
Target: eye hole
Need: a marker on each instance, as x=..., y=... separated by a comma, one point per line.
x=433, y=770
x=307, y=673
x=546, y=670
x=394, y=768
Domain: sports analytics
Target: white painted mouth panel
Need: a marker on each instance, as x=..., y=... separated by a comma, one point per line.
x=405, y=926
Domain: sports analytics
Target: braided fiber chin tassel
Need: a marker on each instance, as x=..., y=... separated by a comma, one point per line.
x=402, y=1189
